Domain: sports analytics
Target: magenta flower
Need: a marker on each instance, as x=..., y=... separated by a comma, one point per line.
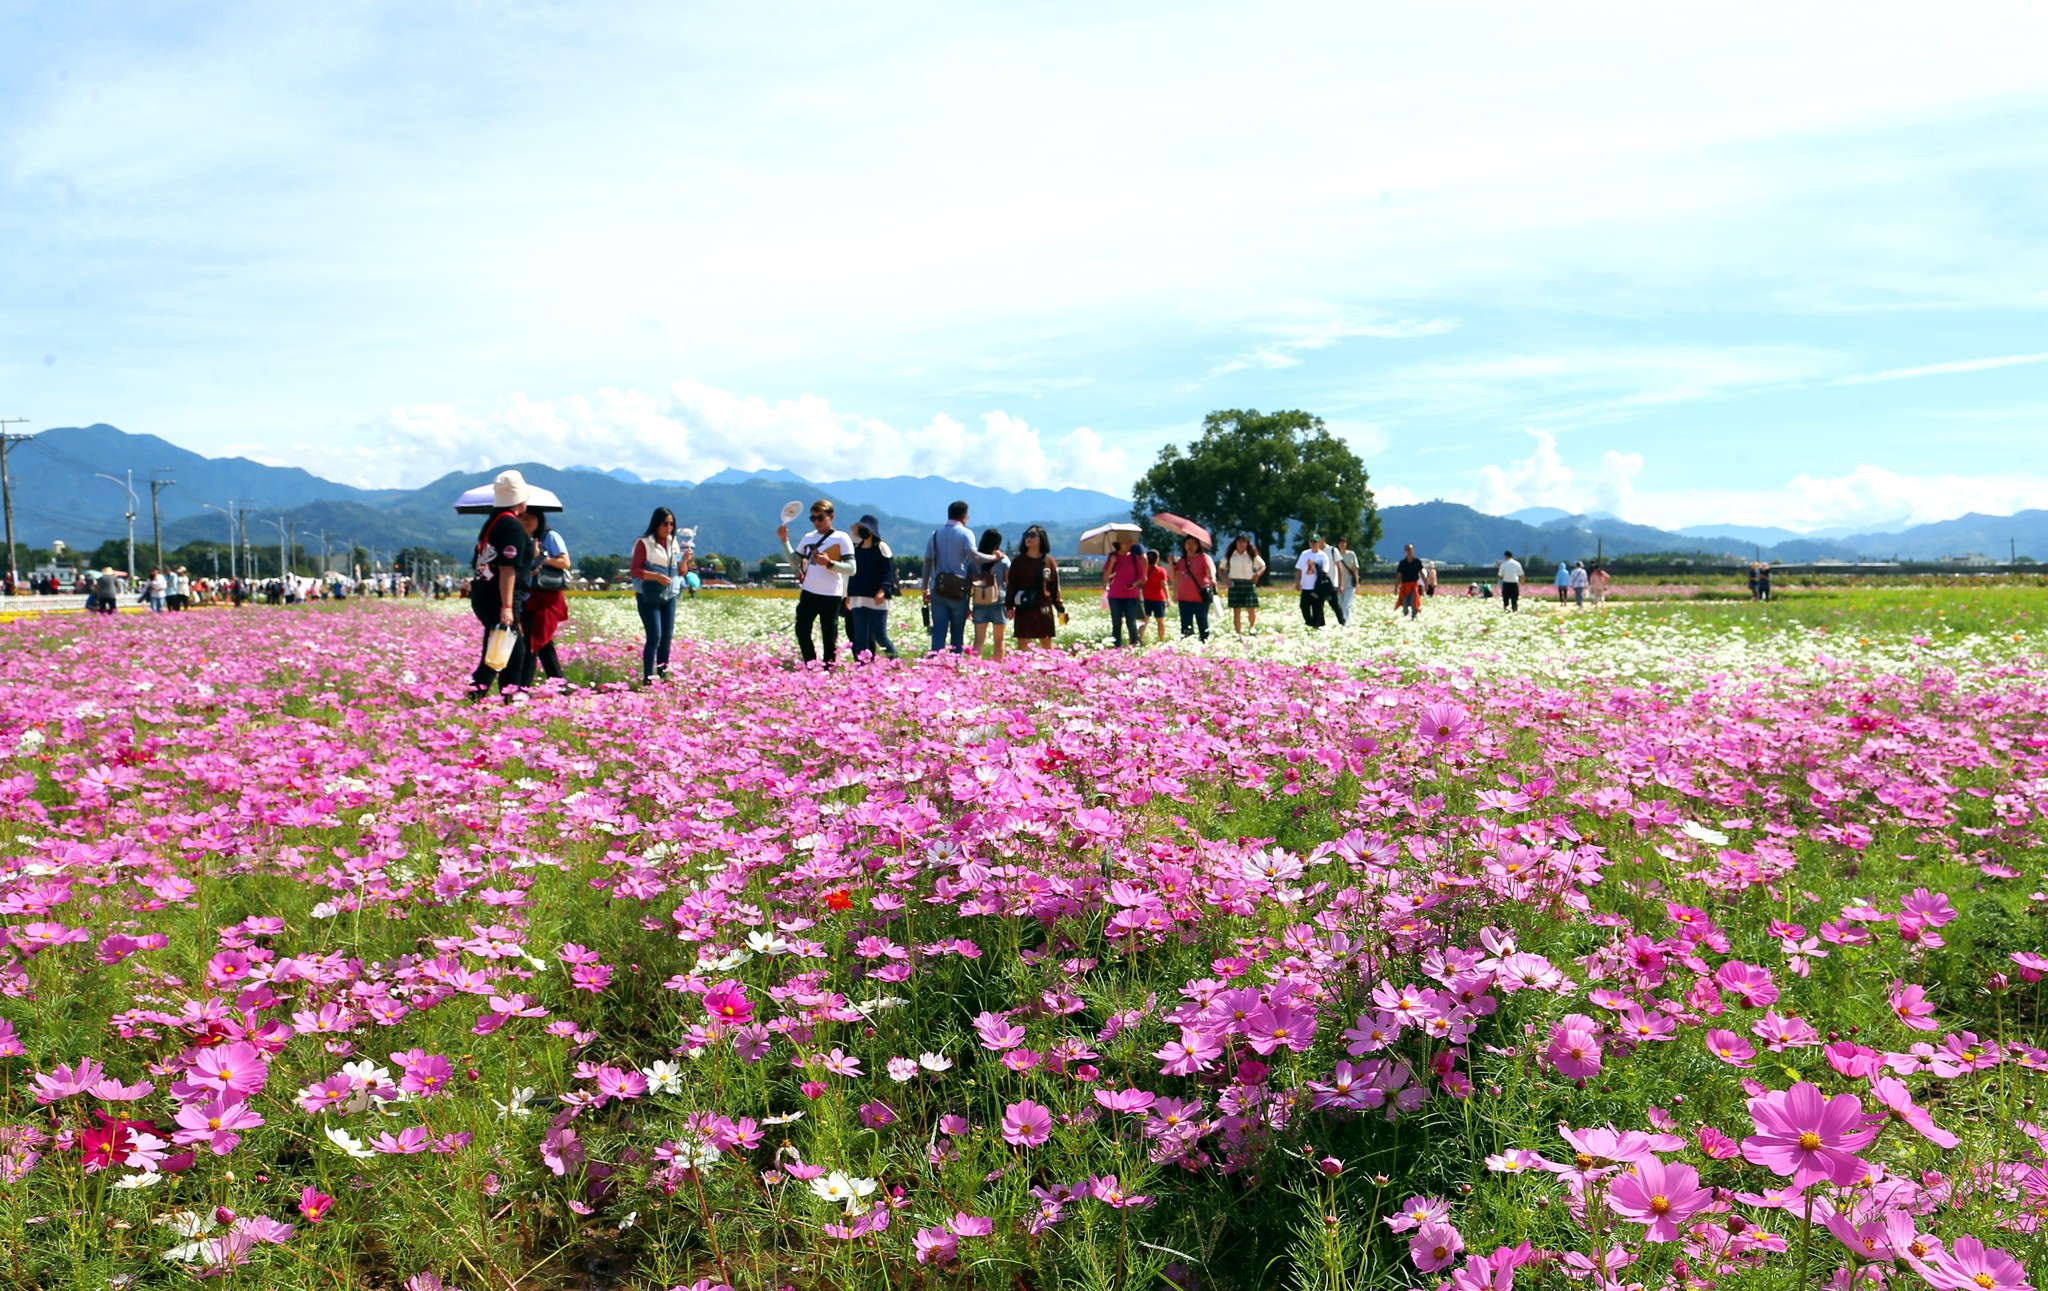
x=1659, y=1196
x=1808, y=1137
x=727, y=1004
x=314, y=1204
x=1026, y=1124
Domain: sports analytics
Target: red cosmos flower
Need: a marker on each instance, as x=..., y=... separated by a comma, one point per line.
x=110, y=1142
x=840, y=900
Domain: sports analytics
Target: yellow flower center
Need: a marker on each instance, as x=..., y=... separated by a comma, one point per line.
x=213, y=1122
x=1985, y=1280
x=1809, y=1142
x=1660, y=1205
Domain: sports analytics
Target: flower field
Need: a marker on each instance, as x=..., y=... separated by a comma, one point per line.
x=1555, y=951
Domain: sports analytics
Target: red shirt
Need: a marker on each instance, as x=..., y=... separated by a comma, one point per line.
x=1155, y=583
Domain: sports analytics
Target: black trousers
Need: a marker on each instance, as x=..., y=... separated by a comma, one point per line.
x=1312, y=608
x=819, y=611
x=1510, y=596
x=1328, y=591
x=515, y=667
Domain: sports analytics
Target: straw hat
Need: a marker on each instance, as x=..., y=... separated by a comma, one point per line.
x=509, y=489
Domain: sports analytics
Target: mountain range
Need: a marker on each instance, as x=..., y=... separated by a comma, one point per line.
x=57, y=495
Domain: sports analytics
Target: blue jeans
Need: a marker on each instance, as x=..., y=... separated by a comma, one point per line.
x=949, y=621
x=870, y=631
x=1194, y=614
x=658, y=618
x=1127, y=610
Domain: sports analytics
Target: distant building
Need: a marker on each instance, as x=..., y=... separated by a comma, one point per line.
x=1968, y=558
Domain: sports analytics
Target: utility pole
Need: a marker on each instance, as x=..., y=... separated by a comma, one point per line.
x=242, y=515
x=7, y=488
x=130, y=487
x=156, y=519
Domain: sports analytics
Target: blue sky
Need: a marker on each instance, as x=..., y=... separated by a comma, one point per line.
x=1757, y=263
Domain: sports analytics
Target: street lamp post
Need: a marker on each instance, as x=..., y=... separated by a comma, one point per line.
x=129, y=486
x=234, y=538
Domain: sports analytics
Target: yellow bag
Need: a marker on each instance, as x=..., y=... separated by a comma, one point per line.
x=498, y=648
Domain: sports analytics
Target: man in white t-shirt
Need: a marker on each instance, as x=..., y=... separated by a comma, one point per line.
x=1312, y=580
x=1510, y=581
x=821, y=560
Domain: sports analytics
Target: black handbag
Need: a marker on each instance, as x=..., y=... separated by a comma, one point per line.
x=548, y=578
x=950, y=587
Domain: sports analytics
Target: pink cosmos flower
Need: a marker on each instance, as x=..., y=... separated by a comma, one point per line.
x=214, y=1123
x=1575, y=1048
x=1435, y=1245
x=998, y=1033
x=236, y=1068
x=1969, y=1265
x=1110, y=1192
x=427, y=1076
x=1026, y=1124
x=1659, y=1196
x=1809, y=1137
x=1899, y=1106
x=1124, y=1100
x=1912, y=1007
x=1731, y=1048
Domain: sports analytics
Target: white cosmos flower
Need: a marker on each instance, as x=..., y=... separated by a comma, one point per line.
x=349, y=1143
x=147, y=1179
x=767, y=943
x=521, y=1096
x=1711, y=837
x=188, y=1223
x=664, y=1077
x=325, y=910
x=787, y=1118
x=934, y=1062
x=725, y=963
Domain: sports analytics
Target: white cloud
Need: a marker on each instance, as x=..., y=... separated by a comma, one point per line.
x=1302, y=326
x=1945, y=369
x=1542, y=479
x=694, y=430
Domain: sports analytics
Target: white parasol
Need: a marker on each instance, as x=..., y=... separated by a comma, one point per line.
x=1096, y=541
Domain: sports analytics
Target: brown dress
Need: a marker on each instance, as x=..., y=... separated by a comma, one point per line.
x=1036, y=623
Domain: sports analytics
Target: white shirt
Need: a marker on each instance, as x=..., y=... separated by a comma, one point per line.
x=1311, y=565
x=1511, y=570
x=1243, y=566
x=819, y=578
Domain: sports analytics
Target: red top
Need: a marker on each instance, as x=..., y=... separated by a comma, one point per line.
x=1155, y=583
x=1191, y=576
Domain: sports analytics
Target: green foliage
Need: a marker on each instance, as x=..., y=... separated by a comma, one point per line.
x=601, y=567
x=1262, y=474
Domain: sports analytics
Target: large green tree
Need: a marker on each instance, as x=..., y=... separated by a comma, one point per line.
x=1262, y=473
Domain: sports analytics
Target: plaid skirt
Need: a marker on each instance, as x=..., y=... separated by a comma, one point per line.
x=1244, y=596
